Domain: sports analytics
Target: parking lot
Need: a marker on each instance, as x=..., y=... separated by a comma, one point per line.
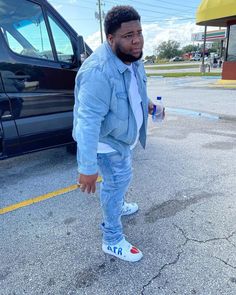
x=184, y=183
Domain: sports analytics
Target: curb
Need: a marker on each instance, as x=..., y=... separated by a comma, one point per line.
x=225, y=83
x=200, y=114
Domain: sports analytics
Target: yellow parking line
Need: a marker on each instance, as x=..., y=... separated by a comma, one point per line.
x=41, y=198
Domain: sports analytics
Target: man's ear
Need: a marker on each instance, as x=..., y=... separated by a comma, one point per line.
x=110, y=39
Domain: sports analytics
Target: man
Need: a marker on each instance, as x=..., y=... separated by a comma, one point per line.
x=110, y=116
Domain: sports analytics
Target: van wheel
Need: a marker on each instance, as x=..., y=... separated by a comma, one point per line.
x=72, y=148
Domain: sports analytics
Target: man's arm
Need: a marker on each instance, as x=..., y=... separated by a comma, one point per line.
x=92, y=96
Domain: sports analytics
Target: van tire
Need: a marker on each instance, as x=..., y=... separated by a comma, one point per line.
x=72, y=148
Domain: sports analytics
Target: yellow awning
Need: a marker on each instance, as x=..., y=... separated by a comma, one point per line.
x=216, y=12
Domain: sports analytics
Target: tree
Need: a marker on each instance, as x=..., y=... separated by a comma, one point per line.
x=168, y=49
x=150, y=57
x=190, y=48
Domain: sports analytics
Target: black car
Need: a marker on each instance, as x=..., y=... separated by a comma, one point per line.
x=39, y=56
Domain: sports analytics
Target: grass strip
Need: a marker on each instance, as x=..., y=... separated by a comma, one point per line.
x=172, y=67
x=186, y=74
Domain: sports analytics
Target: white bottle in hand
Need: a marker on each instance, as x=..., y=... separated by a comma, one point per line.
x=158, y=110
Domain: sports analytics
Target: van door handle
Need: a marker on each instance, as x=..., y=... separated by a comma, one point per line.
x=8, y=116
x=21, y=82
x=67, y=66
x=19, y=77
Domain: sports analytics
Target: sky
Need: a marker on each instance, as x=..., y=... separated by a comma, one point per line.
x=161, y=20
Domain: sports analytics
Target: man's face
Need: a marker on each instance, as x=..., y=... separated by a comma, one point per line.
x=127, y=41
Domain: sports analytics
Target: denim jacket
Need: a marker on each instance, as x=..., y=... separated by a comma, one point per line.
x=102, y=110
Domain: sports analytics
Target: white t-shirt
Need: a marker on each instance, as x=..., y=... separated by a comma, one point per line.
x=135, y=100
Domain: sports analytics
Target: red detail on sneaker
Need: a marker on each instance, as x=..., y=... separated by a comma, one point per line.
x=134, y=250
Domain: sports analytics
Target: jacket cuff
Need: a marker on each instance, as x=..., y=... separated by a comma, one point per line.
x=88, y=170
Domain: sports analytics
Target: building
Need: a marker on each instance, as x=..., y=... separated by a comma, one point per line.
x=213, y=35
x=222, y=13
x=219, y=36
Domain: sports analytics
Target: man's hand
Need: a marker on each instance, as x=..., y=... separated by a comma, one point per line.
x=88, y=183
x=150, y=109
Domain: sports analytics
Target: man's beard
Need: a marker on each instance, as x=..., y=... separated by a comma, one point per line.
x=126, y=57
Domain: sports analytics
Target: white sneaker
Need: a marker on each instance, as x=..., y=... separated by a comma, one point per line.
x=129, y=208
x=123, y=250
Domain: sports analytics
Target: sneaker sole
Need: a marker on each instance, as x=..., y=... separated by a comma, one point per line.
x=127, y=214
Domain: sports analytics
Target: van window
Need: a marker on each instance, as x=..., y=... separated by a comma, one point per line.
x=13, y=43
x=24, y=29
x=62, y=42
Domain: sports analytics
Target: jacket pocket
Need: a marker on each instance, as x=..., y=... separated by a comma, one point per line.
x=122, y=106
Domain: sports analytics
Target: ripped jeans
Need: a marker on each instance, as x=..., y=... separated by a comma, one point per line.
x=117, y=174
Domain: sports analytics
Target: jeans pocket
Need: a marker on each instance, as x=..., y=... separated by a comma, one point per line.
x=106, y=166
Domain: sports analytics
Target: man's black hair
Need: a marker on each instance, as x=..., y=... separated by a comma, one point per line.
x=118, y=15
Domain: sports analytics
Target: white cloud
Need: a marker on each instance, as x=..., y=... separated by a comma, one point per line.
x=58, y=7
x=94, y=40
x=61, y=6
x=154, y=34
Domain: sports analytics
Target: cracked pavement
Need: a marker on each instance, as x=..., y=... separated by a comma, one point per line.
x=185, y=186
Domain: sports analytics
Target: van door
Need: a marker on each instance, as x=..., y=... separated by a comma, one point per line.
x=39, y=76
x=9, y=140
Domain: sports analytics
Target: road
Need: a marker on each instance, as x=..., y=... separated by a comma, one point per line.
x=184, y=183
x=163, y=68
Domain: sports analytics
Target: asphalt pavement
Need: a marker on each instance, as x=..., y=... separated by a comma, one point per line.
x=184, y=183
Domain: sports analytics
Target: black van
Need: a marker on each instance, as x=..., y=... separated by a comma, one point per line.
x=39, y=56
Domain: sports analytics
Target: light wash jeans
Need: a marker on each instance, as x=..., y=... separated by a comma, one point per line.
x=117, y=174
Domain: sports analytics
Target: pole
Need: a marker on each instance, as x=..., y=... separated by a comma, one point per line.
x=100, y=19
x=202, y=69
x=221, y=48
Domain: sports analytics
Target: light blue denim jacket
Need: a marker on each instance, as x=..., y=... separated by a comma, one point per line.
x=102, y=110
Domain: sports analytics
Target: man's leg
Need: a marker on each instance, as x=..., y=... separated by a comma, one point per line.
x=117, y=174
